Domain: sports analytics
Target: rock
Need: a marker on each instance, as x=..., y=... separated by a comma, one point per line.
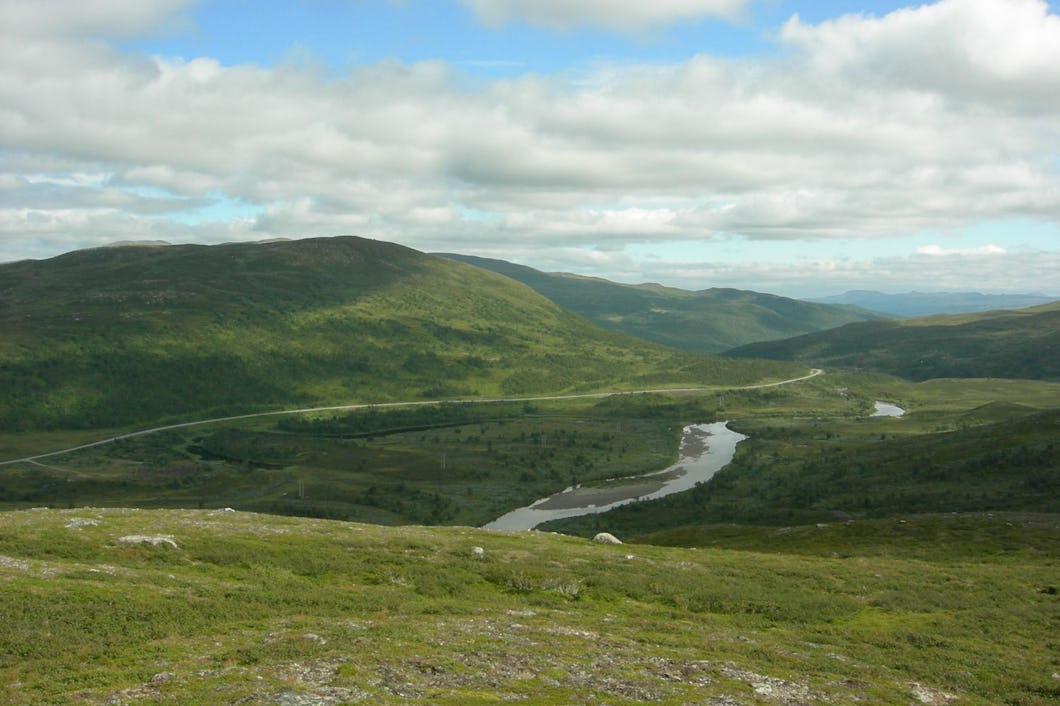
x=7, y=562
x=478, y=553
x=606, y=538
x=154, y=541
x=930, y=696
x=79, y=522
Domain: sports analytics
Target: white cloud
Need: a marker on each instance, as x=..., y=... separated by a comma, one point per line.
x=989, y=272
x=112, y=18
x=621, y=16
x=936, y=250
x=982, y=51
x=869, y=127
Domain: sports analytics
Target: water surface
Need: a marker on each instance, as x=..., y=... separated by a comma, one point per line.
x=705, y=450
x=886, y=409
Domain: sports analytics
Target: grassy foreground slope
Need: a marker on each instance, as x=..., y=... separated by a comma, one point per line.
x=230, y=607
x=708, y=321
x=115, y=336
x=1005, y=344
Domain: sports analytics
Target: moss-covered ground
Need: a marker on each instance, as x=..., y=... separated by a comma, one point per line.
x=259, y=609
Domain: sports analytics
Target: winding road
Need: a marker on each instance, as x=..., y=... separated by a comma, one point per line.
x=419, y=403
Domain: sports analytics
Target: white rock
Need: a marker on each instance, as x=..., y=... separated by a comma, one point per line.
x=606, y=538
x=930, y=696
x=478, y=553
x=154, y=541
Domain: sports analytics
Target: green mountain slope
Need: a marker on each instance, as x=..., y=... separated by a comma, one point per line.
x=213, y=607
x=1006, y=344
x=139, y=334
x=708, y=321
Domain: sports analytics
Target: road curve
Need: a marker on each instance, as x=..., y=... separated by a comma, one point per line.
x=419, y=403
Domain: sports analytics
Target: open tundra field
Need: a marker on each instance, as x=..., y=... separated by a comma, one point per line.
x=215, y=607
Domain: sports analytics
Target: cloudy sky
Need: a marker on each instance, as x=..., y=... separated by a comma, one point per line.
x=796, y=147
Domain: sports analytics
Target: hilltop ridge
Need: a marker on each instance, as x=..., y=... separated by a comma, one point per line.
x=1021, y=343
x=929, y=303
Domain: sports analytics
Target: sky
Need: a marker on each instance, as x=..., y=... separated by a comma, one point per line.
x=794, y=147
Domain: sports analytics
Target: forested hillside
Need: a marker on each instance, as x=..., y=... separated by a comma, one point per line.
x=125, y=335
x=707, y=321
x=1019, y=344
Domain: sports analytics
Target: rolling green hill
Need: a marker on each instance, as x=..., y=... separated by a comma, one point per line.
x=1020, y=344
x=114, y=336
x=708, y=321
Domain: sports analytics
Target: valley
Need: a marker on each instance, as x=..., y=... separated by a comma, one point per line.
x=254, y=473
x=709, y=321
x=367, y=382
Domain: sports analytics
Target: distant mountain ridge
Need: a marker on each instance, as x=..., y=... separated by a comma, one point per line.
x=1020, y=344
x=928, y=303
x=708, y=321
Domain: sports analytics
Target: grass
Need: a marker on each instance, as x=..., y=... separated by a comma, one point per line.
x=263, y=608
x=927, y=537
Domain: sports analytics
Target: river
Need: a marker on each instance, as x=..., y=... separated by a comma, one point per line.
x=705, y=450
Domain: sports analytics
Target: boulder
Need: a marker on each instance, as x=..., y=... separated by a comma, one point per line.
x=154, y=541
x=606, y=538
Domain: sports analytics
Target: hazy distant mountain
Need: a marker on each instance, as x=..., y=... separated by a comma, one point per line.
x=707, y=321
x=1003, y=344
x=928, y=303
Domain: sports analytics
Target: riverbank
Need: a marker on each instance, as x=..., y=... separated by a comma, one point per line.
x=705, y=449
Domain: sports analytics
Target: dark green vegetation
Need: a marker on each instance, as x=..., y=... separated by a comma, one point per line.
x=814, y=455
x=708, y=321
x=1020, y=344
x=799, y=471
x=138, y=335
x=928, y=303
x=431, y=464
x=254, y=609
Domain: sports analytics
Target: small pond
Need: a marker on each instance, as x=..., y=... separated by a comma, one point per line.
x=886, y=409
